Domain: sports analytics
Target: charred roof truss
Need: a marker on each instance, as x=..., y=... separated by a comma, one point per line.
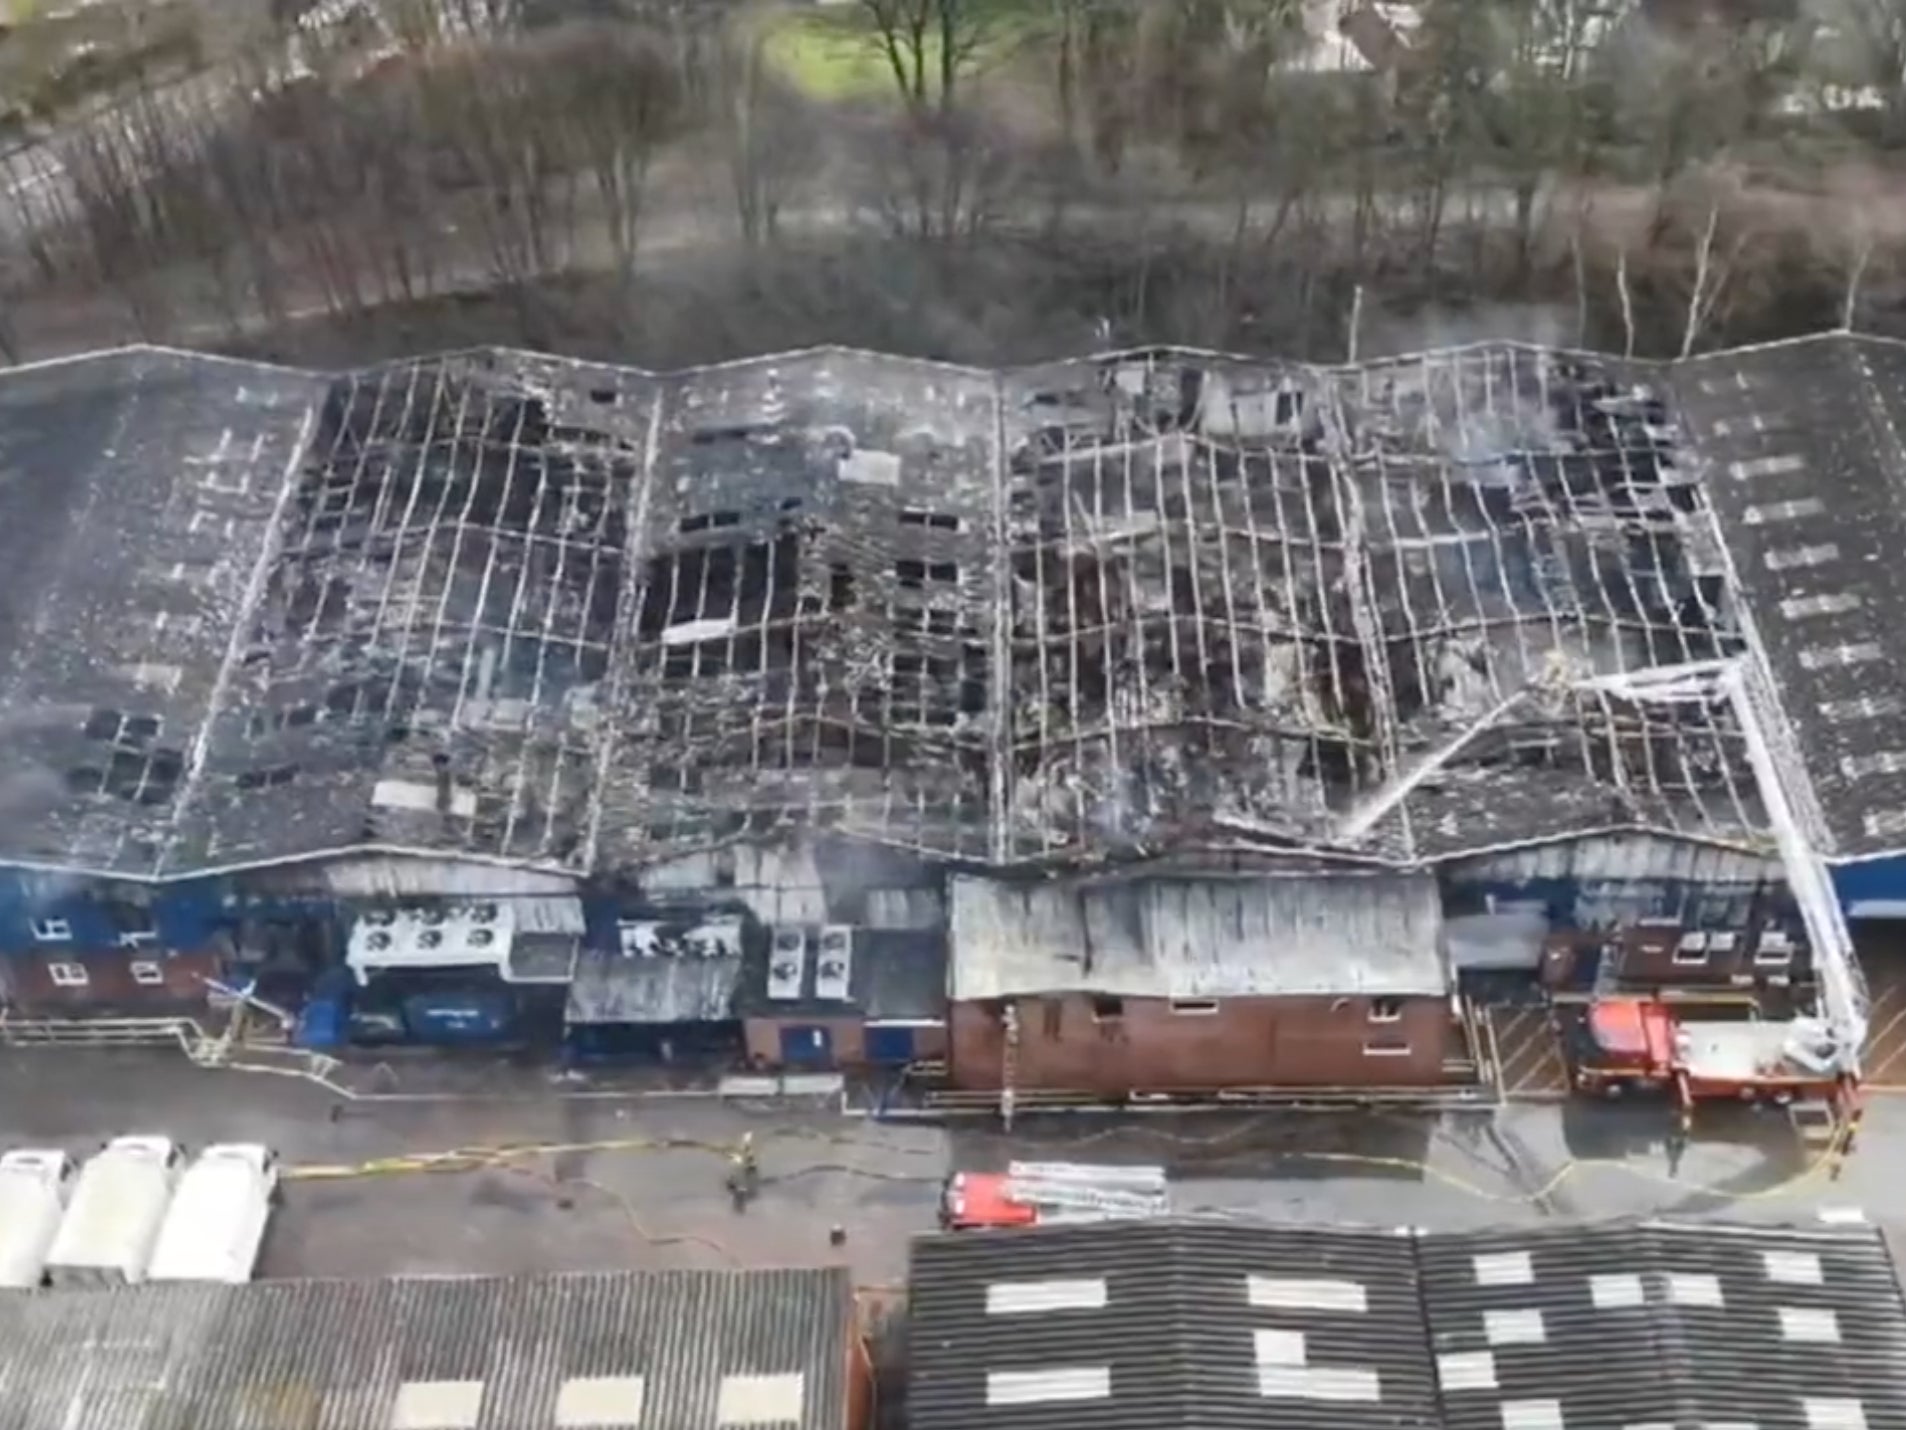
x=544, y=612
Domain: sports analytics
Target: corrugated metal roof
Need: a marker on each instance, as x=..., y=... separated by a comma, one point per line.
x=612, y=987
x=1665, y=1325
x=663, y=1350
x=1199, y=938
x=1158, y=1325
x=1202, y=1324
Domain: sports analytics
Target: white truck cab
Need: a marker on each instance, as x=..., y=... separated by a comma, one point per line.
x=35, y=1185
x=216, y=1223
x=112, y=1222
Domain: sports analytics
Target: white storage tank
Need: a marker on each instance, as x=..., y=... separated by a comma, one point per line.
x=112, y=1223
x=35, y=1185
x=216, y=1223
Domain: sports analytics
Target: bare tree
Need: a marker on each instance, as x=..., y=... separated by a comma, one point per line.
x=931, y=45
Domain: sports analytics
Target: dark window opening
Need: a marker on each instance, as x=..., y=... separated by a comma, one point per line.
x=85, y=781
x=124, y=773
x=934, y=520
x=139, y=727
x=1106, y=1009
x=302, y=715
x=127, y=917
x=102, y=725
x=603, y=396
x=943, y=571
x=840, y=588
x=912, y=574
x=709, y=436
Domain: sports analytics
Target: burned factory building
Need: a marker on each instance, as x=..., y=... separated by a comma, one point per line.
x=1155, y=719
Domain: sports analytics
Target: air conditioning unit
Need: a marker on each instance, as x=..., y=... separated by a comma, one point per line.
x=379, y=918
x=432, y=917
x=482, y=938
x=718, y=938
x=379, y=941
x=430, y=938
x=787, y=963
x=834, y=972
x=482, y=913
x=638, y=938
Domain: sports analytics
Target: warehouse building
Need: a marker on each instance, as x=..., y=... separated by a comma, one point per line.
x=675, y=1350
x=1172, y=985
x=492, y=695
x=1804, y=446
x=1145, y=1325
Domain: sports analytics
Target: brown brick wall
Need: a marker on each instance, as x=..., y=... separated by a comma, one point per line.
x=1246, y=1042
x=110, y=985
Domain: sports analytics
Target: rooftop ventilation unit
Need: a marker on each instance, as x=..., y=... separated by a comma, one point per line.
x=834, y=972
x=787, y=963
x=639, y=938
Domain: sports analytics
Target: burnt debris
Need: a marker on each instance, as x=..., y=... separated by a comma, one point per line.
x=583, y=617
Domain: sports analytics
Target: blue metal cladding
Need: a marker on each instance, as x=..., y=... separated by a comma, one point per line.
x=1872, y=887
x=459, y=1016
x=807, y=1046
x=889, y=1046
x=185, y=916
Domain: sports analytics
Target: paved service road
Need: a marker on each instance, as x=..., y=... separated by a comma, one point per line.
x=604, y=1191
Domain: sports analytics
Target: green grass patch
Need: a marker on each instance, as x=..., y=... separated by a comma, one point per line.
x=835, y=54
x=829, y=56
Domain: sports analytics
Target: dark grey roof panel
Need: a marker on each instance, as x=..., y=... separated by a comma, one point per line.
x=140, y=492
x=1153, y=1326
x=1674, y=1325
x=1805, y=460
x=491, y=1353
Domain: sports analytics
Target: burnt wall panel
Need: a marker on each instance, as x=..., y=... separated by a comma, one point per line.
x=813, y=639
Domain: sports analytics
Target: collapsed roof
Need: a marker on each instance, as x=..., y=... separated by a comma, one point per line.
x=549, y=613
